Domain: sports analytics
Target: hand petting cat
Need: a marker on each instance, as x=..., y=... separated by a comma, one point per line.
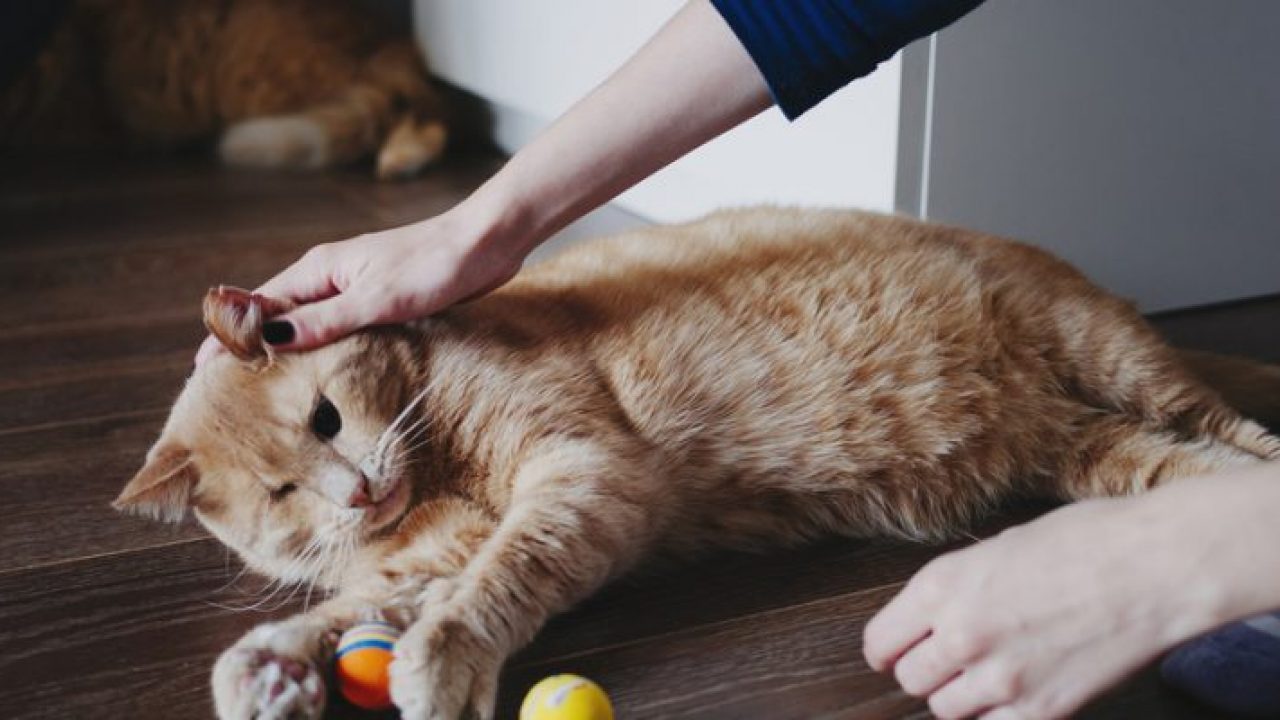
x=604, y=145
x=1039, y=620
x=387, y=277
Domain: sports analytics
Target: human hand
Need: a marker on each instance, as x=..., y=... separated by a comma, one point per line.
x=647, y=114
x=384, y=277
x=1036, y=621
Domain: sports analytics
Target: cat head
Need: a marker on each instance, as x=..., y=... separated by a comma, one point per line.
x=285, y=458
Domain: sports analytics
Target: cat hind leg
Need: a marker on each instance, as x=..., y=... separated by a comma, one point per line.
x=1249, y=386
x=1115, y=360
x=1118, y=456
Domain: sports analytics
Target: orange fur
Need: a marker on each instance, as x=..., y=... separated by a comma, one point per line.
x=280, y=83
x=236, y=316
x=761, y=377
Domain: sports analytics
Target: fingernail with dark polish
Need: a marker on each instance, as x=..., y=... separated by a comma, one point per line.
x=278, y=332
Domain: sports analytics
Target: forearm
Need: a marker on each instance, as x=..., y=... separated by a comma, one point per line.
x=1227, y=531
x=691, y=82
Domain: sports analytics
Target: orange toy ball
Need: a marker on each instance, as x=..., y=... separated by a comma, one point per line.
x=364, y=654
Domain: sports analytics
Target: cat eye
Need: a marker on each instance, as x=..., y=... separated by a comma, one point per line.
x=283, y=491
x=325, y=420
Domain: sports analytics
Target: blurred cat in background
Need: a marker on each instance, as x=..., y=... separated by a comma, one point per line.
x=297, y=84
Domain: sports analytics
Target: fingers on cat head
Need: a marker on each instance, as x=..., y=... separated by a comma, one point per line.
x=236, y=317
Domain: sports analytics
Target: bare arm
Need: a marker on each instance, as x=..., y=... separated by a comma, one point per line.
x=1039, y=620
x=692, y=81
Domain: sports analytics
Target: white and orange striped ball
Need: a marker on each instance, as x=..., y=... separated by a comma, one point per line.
x=364, y=654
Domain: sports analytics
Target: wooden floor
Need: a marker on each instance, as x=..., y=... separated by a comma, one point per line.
x=102, y=266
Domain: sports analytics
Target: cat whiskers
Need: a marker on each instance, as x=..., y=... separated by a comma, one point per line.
x=296, y=568
x=402, y=456
x=345, y=551
x=235, y=579
x=392, y=429
x=404, y=443
x=392, y=440
x=328, y=565
x=300, y=567
x=323, y=559
x=339, y=553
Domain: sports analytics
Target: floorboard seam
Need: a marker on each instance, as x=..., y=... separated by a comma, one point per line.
x=100, y=556
x=157, y=412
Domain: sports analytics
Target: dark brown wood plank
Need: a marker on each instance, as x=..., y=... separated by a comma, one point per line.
x=92, y=391
x=133, y=283
x=800, y=661
x=58, y=484
x=103, y=352
x=128, y=635
x=160, y=204
x=142, y=629
x=721, y=587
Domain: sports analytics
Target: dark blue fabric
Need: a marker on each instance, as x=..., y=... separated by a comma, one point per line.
x=1235, y=670
x=808, y=49
x=25, y=26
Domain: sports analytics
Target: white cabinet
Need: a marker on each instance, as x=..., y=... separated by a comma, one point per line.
x=1138, y=139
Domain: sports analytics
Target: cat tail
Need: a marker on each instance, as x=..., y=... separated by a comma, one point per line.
x=1249, y=386
x=391, y=109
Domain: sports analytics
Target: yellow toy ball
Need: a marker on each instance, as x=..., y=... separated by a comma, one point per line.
x=566, y=697
x=364, y=654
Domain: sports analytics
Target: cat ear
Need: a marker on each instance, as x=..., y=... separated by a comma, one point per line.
x=162, y=488
x=236, y=316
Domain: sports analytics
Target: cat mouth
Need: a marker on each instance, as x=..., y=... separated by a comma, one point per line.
x=389, y=506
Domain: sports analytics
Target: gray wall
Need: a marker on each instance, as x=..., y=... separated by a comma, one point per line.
x=1139, y=139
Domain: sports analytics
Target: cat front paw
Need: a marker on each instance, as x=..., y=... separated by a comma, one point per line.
x=444, y=669
x=268, y=675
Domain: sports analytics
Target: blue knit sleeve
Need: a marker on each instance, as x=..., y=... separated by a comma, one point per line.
x=808, y=49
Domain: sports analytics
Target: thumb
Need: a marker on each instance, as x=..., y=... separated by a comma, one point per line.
x=317, y=324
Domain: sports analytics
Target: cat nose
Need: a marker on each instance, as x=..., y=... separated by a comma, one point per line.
x=361, y=497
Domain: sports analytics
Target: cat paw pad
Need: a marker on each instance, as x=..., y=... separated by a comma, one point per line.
x=252, y=680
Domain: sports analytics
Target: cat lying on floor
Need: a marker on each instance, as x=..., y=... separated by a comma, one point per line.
x=758, y=378
x=279, y=83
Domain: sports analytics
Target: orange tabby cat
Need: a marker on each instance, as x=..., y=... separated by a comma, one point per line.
x=758, y=378
x=279, y=83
